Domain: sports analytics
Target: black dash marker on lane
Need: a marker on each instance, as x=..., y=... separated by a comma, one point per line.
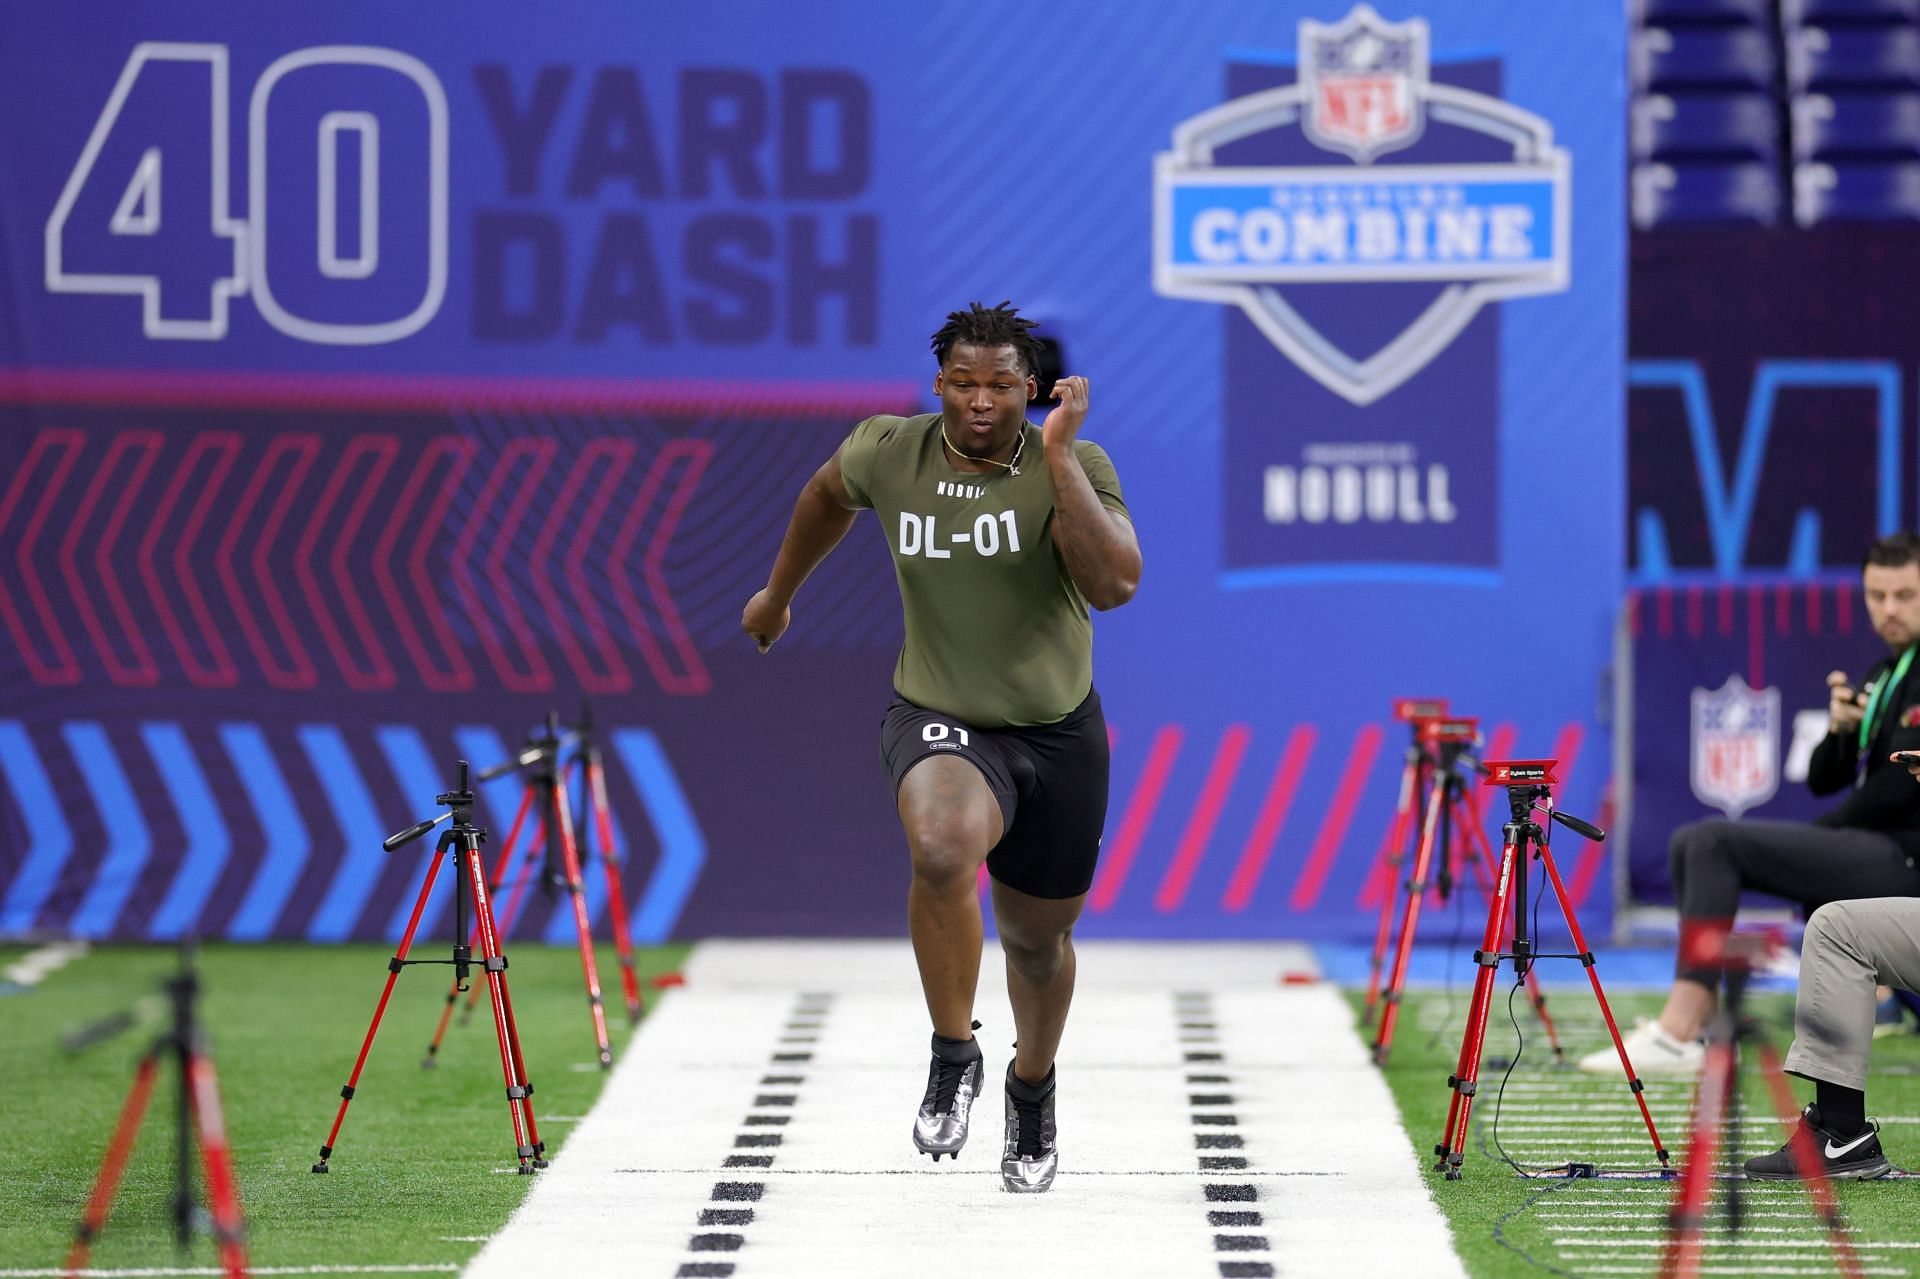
x=1199, y=1025
x=747, y=1140
x=731, y=1242
x=1219, y=1141
x=1204, y=1056
x=739, y=1191
x=799, y=1039
x=1240, y=1243
x=1210, y=1099
x=1208, y=1079
x=1220, y=1163
x=774, y=1099
x=1246, y=1270
x=775, y=1081
x=1213, y=1219
x=768, y=1121
x=1225, y=1121
x=1228, y=1192
x=793, y=1056
x=747, y=1161
x=704, y=1270
x=744, y=1217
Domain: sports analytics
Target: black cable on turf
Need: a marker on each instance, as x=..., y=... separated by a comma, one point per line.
x=1500, y=1230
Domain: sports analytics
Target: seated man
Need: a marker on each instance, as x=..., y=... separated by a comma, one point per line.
x=1865, y=847
x=1849, y=947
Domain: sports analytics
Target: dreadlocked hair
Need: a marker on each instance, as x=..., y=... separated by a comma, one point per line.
x=989, y=326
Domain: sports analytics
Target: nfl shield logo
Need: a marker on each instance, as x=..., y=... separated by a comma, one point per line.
x=1736, y=746
x=1365, y=82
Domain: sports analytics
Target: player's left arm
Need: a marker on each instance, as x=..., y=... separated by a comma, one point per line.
x=1101, y=553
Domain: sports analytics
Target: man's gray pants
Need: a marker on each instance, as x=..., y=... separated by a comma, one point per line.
x=1849, y=948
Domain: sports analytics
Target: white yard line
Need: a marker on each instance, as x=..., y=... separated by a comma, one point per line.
x=36, y=965
x=641, y=1187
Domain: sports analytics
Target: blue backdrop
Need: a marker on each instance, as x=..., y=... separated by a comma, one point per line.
x=374, y=381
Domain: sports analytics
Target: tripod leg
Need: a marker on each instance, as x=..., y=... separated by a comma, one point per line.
x=1807, y=1160
x=562, y=828
x=1465, y=1080
x=114, y=1163
x=529, y=860
x=1480, y=853
x=1712, y=1101
x=494, y=964
x=394, y=966
x=616, y=891
x=223, y=1190
x=1416, y=891
x=1600, y=996
x=1392, y=854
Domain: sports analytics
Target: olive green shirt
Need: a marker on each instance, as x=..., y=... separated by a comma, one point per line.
x=997, y=633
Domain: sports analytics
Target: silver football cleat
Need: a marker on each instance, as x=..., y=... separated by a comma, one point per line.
x=941, y=1126
x=1029, y=1159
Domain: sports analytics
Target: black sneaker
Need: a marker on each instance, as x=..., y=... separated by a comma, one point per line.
x=1029, y=1160
x=1854, y=1158
x=953, y=1081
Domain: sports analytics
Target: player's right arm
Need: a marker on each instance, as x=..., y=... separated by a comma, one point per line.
x=821, y=517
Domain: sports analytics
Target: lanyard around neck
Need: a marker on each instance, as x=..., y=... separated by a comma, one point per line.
x=1881, y=692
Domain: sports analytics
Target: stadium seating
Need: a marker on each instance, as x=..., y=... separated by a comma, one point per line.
x=1679, y=58
x=1821, y=58
x=1735, y=126
x=1664, y=194
x=1872, y=125
x=1829, y=12
x=1856, y=192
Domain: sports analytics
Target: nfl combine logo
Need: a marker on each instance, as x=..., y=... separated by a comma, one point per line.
x=1468, y=234
x=1736, y=746
x=1364, y=81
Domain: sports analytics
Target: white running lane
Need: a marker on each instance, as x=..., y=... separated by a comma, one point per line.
x=1308, y=1170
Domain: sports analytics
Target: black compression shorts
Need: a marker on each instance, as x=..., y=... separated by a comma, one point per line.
x=1050, y=781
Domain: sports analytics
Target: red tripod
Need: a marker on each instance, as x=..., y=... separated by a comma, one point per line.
x=1442, y=744
x=1716, y=1109
x=461, y=841
x=1529, y=786
x=198, y=1114
x=1416, y=775
x=553, y=841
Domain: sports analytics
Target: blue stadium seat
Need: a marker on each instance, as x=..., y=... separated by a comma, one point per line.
x=1730, y=126
x=1841, y=57
x=1735, y=58
x=1660, y=13
x=1822, y=12
x=1862, y=192
x=1665, y=194
x=1883, y=125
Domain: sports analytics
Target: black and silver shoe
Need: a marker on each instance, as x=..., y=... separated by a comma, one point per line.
x=1855, y=1158
x=1029, y=1159
x=953, y=1081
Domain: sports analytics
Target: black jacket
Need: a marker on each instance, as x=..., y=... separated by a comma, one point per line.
x=1886, y=798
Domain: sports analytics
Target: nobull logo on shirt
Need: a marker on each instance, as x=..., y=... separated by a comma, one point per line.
x=1736, y=746
x=1242, y=233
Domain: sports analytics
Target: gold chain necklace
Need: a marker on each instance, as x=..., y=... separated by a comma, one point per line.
x=1011, y=466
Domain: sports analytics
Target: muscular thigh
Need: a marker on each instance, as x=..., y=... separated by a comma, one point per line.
x=949, y=814
x=1817, y=864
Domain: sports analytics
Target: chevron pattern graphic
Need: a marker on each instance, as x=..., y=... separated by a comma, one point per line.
x=246, y=833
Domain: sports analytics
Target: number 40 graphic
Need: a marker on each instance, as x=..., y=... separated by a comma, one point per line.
x=146, y=209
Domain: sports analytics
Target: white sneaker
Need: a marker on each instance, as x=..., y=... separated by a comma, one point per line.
x=1653, y=1052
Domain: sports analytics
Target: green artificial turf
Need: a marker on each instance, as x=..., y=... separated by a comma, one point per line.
x=1504, y=1224
x=415, y=1177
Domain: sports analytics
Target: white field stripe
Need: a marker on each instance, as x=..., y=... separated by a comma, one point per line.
x=848, y=1195
x=1741, y=1270
x=33, y=967
x=1542, y=1214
